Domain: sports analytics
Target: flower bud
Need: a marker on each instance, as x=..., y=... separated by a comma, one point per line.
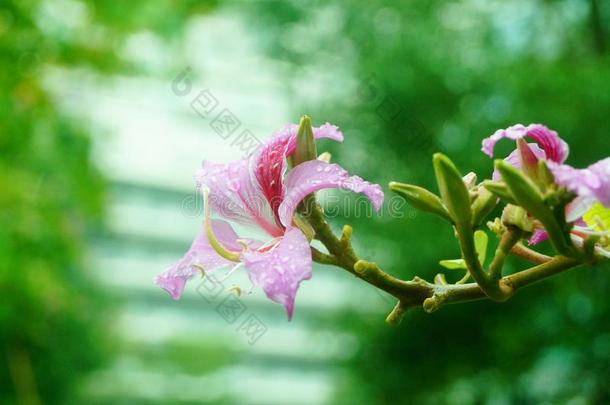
x=306, y=144
x=470, y=180
x=452, y=189
x=500, y=190
x=517, y=217
x=421, y=198
x=528, y=195
x=325, y=157
x=546, y=178
x=482, y=206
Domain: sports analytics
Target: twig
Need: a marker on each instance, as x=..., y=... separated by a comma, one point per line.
x=528, y=254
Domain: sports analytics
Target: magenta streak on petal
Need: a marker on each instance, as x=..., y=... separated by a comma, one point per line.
x=555, y=148
x=279, y=271
x=255, y=214
x=315, y=175
x=269, y=168
x=235, y=195
x=269, y=163
x=201, y=254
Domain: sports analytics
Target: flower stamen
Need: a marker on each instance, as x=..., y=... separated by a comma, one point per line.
x=209, y=232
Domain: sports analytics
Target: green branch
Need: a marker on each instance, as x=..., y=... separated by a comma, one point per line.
x=419, y=292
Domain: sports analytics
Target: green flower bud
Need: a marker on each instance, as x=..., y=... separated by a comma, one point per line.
x=421, y=199
x=528, y=196
x=470, y=180
x=546, y=178
x=482, y=206
x=306, y=144
x=516, y=216
x=452, y=189
x=500, y=190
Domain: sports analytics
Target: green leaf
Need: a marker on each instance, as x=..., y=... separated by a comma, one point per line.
x=480, y=242
x=453, y=190
x=421, y=199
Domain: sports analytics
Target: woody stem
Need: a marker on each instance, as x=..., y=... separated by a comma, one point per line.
x=418, y=291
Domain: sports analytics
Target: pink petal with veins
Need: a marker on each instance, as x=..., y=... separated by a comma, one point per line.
x=200, y=254
x=513, y=159
x=315, y=175
x=280, y=270
x=268, y=164
x=555, y=148
x=592, y=182
x=235, y=195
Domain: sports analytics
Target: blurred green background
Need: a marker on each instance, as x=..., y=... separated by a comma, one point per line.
x=98, y=150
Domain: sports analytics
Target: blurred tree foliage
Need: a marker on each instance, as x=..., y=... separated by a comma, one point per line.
x=52, y=321
x=441, y=75
x=53, y=325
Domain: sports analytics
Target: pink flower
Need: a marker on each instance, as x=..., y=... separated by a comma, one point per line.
x=548, y=146
x=258, y=192
x=592, y=183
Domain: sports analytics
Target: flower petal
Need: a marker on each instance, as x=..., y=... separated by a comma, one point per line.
x=315, y=175
x=250, y=191
x=279, y=271
x=555, y=148
x=539, y=236
x=592, y=182
x=578, y=207
x=513, y=159
x=202, y=255
x=269, y=164
x=236, y=196
x=289, y=132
